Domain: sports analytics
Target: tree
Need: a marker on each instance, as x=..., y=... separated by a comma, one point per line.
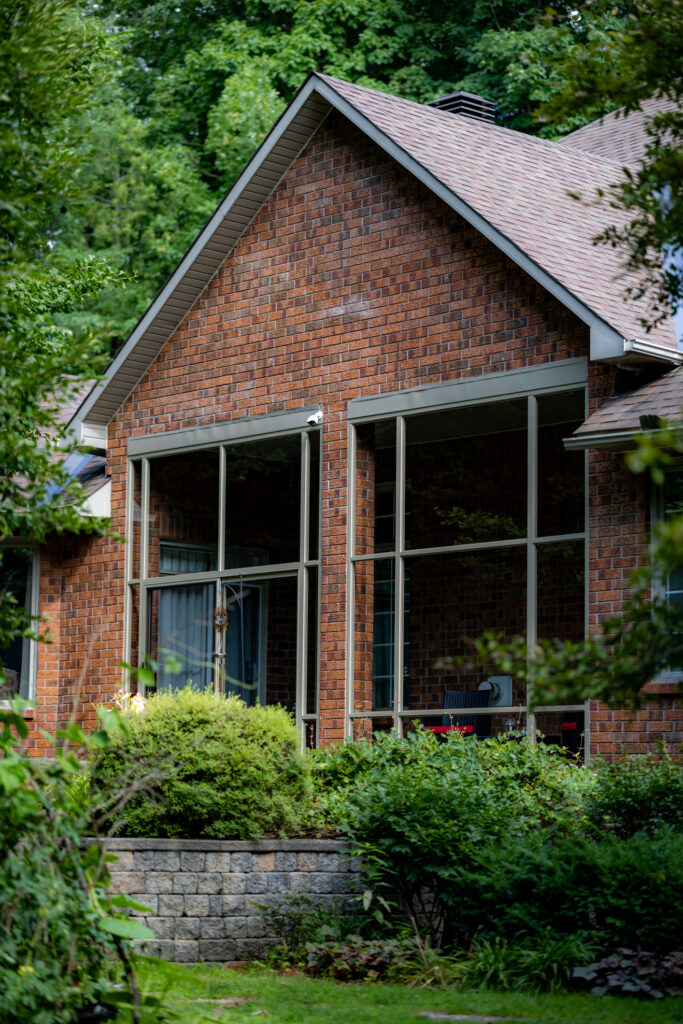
x=51, y=65
x=623, y=64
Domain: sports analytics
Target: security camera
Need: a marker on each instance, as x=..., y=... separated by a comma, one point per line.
x=315, y=419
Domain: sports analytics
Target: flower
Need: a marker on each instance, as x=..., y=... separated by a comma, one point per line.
x=125, y=702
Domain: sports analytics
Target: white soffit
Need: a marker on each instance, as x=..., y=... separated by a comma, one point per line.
x=271, y=161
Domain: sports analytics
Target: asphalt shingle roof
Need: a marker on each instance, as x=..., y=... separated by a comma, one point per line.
x=618, y=137
x=520, y=185
x=662, y=397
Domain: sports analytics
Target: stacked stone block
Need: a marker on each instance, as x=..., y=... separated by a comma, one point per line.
x=202, y=894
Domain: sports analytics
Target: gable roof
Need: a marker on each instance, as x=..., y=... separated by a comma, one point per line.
x=619, y=137
x=511, y=187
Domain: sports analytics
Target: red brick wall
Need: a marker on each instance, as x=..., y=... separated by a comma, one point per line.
x=353, y=279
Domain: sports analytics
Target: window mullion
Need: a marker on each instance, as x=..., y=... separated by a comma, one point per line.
x=399, y=570
x=532, y=530
x=350, y=580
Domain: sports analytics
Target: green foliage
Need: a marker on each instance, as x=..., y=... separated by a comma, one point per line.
x=355, y=959
x=207, y=766
x=636, y=794
x=540, y=963
x=57, y=927
x=634, y=53
x=533, y=861
x=631, y=972
x=423, y=812
x=51, y=63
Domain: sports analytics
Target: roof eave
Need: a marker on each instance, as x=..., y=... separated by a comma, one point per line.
x=603, y=440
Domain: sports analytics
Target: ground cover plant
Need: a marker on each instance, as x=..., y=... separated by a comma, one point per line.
x=216, y=768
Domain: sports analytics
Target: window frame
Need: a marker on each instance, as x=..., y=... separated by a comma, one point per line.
x=33, y=609
x=529, y=383
x=658, y=582
x=142, y=451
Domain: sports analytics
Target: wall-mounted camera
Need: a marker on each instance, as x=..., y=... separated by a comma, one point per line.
x=315, y=419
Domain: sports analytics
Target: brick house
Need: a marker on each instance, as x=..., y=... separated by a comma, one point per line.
x=370, y=415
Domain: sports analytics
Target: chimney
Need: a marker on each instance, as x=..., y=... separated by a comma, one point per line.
x=466, y=103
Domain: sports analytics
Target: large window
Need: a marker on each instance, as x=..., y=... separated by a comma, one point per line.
x=19, y=577
x=465, y=519
x=222, y=574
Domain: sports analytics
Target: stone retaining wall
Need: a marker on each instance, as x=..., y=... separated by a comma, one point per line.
x=202, y=892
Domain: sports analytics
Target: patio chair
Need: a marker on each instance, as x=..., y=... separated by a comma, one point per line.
x=480, y=725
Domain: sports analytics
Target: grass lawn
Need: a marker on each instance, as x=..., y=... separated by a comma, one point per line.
x=202, y=992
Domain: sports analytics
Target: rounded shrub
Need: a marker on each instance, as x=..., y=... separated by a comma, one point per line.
x=203, y=765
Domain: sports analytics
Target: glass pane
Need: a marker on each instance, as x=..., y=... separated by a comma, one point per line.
x=180, y=635
x=374, y=635
x=314, y=495
x=277, y=681
x=466, y=472
x=183, y=513
x=561, y=474
x=136, y=525
x=134, y=625
x=312, y=634
x=263, y=480
x=561, y=590
x=368, y=728
x=375, y=490
x=451, y=600
x=673, y=495
x=564, y=729
x=16, y=570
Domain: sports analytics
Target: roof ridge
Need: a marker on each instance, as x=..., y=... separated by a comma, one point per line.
x=425, y=108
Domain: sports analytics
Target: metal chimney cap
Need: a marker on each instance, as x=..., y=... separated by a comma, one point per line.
x=466, y=103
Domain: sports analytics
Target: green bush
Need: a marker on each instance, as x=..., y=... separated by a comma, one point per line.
x=497, y=842
x=428, y=814
x=206, y=765
x=636, y=794
x=58, y=929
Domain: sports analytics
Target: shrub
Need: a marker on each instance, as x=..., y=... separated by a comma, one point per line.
x=207, y=765
x=57, y=927
x=429, y=816
x=636, y=794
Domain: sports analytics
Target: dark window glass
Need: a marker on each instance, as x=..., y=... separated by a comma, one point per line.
x=263, y=480
x=183, y=510
x=180, y=635
x=561, y=473
x=312, y=643
x=466, y=473
x=561, y=591
x=375, y=487
x=314, y=495
x=16, y=570
x=452, y=600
